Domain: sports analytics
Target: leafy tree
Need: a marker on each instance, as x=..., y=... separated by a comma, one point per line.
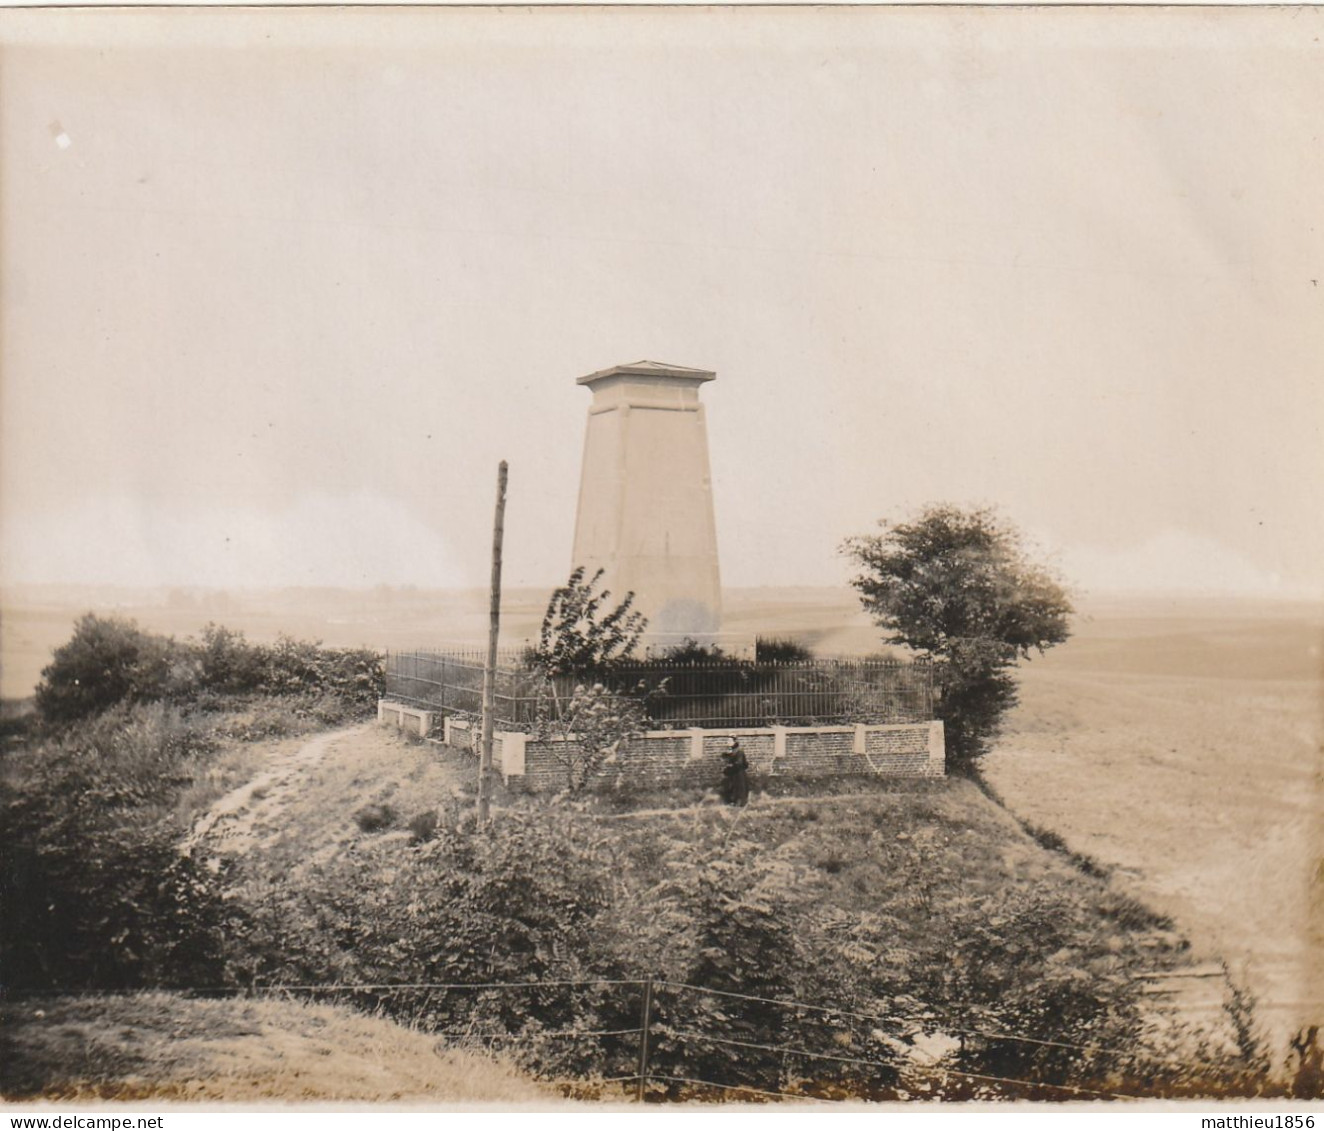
x=107, y=661
x=581, y=632
x=959, y=587
x=227, y=663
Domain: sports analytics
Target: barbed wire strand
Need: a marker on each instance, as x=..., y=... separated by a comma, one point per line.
x=352, y=987
x=378, y=986
x=828, y=1010
x=494, y=1035
x=319, y=987
x=884, y=1064
x=893, y=1018
x=776, y=1048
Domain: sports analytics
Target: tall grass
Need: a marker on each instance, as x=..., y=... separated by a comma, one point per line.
x=94, y=892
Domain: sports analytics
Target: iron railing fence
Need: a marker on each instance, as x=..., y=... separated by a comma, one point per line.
x=717, y=693
x=451, y=681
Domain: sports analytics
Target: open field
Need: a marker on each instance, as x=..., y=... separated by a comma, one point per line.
x=1186, y=755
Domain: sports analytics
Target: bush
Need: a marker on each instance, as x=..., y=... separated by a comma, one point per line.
x=742, y=931
x=899, y=944
x=94, y=892
x=107, y=661
x=375, y=818
x=423, y=826
x=291, y=667
x=589, y=730
x=228, y=664
x=461, y=908
x=692, y=652
x=780, y=650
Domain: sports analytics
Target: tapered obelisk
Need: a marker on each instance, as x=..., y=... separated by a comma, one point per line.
x=645, y=498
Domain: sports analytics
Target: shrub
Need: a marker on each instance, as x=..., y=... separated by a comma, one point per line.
x=942, y=943
x=227, y=663
x=729, y=932
x=299, y=667
x=107, y=661
x=94, y=892
x=692, y=652
x=516, y=907
x=375, y=818
x=780, y=650
x=423, y=826
x=589, y=729
x=581, y=634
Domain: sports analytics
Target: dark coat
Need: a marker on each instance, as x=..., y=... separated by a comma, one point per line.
x=735, y=776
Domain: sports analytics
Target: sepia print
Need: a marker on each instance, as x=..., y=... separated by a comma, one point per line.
x=671, y=556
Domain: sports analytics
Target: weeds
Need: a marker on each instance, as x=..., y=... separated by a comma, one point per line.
x=1050, y=840
x=422, y=826
x=375, y=818
x=94, y=891
x=895, y=907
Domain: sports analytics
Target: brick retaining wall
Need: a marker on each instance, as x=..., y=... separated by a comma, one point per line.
x=692, y=757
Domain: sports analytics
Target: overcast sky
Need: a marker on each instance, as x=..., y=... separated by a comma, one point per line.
x=280, y=288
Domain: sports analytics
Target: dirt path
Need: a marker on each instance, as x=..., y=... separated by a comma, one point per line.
x=244, y=818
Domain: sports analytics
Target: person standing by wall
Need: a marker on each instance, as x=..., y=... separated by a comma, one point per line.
x=735, y=773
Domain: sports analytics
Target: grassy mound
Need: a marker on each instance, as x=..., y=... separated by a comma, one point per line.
x=936, y=949
x=942, y=945
x=162, y=1047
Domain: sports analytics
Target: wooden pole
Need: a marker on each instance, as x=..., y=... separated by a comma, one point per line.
x=645, y=1020
x=489, y=671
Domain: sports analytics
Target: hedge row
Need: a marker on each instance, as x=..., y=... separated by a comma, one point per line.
x=110, y=661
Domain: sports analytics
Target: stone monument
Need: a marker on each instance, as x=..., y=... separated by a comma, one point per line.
x=645, y=499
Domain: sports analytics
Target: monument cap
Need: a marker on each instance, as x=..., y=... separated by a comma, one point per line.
x=649, y=369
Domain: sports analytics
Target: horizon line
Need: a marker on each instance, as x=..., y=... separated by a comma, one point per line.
x=1082, y=593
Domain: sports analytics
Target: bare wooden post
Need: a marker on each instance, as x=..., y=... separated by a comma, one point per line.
x=489, y=671
x=645, y=1019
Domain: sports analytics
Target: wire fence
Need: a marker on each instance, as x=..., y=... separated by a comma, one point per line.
x=659, y=1051
x=717, y=693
